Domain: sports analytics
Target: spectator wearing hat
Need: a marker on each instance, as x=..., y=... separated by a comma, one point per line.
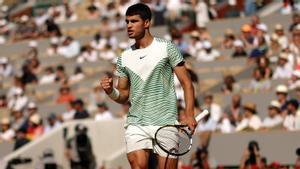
x=239, y=49
x=18, y=101
x=52, y=123
x=251, y=120
x=274, y=118
x=229, y=38
x=294, y=82
x=282, y=39
x=208, y=54
x=246, y=35
x=6, y=132
x=283, y=69
x=80, y=111
x=103, y=113
x=282, y=96
x=259, y=82
x=65, y=95
x=35, y=127
x=6, y=69
x=292, y=120
x=195, y=45
x=262, y=32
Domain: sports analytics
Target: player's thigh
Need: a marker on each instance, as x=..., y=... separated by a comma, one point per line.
x=138, y=159
x=171, y=162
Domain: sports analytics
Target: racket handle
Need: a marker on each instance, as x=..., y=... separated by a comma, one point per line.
x=201, y=115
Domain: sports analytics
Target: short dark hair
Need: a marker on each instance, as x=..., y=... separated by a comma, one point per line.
x=139, y=9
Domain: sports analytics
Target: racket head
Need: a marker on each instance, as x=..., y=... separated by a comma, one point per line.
x=174, y=140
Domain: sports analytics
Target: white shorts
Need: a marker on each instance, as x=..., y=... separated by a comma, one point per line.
x=142, y=137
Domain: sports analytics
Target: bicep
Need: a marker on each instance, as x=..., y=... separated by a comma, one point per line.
x=181, y=73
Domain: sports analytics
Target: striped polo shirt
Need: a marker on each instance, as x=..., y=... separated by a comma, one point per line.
x=152, y=92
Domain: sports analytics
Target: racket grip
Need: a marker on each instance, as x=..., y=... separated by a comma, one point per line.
x=201, y=115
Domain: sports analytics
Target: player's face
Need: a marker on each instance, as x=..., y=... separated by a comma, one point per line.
x=136, y=26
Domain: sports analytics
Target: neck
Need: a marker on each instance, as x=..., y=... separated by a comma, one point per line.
x=145, y=41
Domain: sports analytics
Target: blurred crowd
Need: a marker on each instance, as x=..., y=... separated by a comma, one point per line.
x=272, y=50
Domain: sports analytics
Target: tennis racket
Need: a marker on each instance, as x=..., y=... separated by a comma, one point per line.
x=176, y=139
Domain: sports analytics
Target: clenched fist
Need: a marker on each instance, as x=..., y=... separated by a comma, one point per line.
x=107, y=84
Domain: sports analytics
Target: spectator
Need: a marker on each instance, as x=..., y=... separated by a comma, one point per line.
x=96, y=96
x=103, y=113
x=6, y=132
x=53, y=29
x=53, y=123
x=208, y=54
x=251, y=120
x=229, y=85
x=283, y=70
x=18, y=85
x=234, y=111
x=262, y=32
x=201, y=10
x=282, y=39
x=65, y=95
x=70, y=48
x=229, y=39
x=80, y=112
x=93, y=12
x=292, y=120
x=250, y=7
x=195, y=45
x=263, y=64
x=251, y=157
x=98, y=42
x=275, y=47
x=35, y=127
x=159, y=10
x=48, y=77
x=5, y=30
x=214, y=109
x=255, y=21
x=297, y=163
x=32, y=109
x=6, y=69
x=294, y=82
x=21, y=139
x=61, y=75
x=107, y=53
x=26, y=29
x=258, y=82
x=87, y=54
x=19, y=120
x=274, y=118
x=260, y=49
x=106, y=26
x=33, y=51
x=69, y=115
x=53, y=49
x=239, y=49
x=70, y=15
x=246, y=36
x=28, y=75
x=282, y=96
x=19, y=100
x=295, y=21
x=79, y=149
x=77, y=76
x=3, y=101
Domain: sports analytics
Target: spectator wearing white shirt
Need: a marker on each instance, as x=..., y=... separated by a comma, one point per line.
x=208, y=54
x=214, y=109
x=201, y=10
x=48, y=77
x=6, y=133
x=77, y=76
x=282, y=96
x=292, y=120
x=53, y=49
x=274, y=118
x=88, y=54
x=294, y=82
x=195, y=45
x=98, y=42
x=19, y=100
x=103, y=113
x=70, y=48
x=107, y=53
x=283, y=70
x=262, y=31
x=251, y=120
x=282, y=39
x=53, y=123
x=6, y=69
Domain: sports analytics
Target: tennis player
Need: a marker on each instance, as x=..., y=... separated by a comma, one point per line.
x=146, y=78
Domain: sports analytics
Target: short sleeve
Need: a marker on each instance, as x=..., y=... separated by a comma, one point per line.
x=174, y=55
x=121, y=71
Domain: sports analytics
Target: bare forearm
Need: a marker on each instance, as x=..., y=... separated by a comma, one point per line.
x=189, y=96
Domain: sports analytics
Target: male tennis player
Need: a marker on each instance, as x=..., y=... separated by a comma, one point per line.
x=146, y=79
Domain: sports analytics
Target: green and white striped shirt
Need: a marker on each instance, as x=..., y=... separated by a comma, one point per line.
x=152, y=92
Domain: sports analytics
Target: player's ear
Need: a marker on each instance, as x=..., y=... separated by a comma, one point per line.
x=147, y=23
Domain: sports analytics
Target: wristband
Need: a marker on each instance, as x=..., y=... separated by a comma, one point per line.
x=115, y=94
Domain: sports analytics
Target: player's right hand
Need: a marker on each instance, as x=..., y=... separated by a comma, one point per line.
x=107, y=84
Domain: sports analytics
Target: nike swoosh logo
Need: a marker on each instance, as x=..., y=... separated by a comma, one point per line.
x=142, y=57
